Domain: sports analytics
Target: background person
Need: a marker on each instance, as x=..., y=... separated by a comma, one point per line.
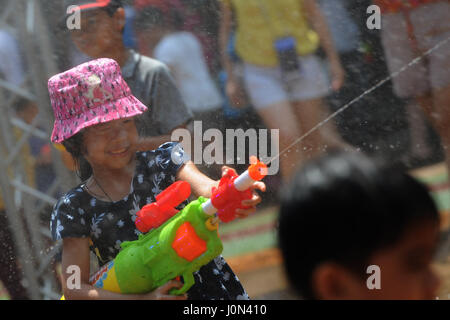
x=409, y=29
x=343, y=213
x=182, y=52
x=101, y=35
x=286, y=86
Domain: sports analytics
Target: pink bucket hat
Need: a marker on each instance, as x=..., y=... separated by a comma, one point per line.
x=91, y=93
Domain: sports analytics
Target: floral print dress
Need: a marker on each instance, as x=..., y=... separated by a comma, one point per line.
x=78, y=214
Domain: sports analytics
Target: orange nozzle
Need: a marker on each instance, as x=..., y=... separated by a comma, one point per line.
x=257, y=169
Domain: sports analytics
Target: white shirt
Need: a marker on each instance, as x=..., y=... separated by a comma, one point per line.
x=11, y=67
x=182, y=52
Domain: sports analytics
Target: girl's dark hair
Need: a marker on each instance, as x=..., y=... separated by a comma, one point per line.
x=74, y=145
x=343, y=208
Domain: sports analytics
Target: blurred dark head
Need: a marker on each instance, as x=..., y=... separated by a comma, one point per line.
x=152, y=17
x=152, y=23
x=26, y=109
x=96, y=27
x=342, y=210
x=110, y=6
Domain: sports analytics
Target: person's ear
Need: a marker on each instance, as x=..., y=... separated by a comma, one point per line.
x=331, y=281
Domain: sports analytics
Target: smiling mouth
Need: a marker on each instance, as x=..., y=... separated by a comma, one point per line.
x=119, y=152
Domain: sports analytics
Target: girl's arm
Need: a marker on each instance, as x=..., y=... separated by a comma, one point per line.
x=201, y=185
x=319, y=23
x=76, y=253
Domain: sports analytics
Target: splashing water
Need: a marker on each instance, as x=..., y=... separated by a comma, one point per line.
x=368, y=91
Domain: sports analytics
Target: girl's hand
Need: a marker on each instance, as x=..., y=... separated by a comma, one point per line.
x=253, y=202
x=162, y=293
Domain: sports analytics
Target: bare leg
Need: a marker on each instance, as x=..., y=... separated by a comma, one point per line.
x=417, y=124
x=426, y=103
x=441, y=102
x=281, y=116
x=310, y=113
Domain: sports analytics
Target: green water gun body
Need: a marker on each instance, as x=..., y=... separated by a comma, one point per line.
x=177, y=243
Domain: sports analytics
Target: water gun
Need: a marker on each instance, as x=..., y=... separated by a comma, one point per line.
x=177, y=243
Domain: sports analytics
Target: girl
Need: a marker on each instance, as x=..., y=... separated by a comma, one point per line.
x=98, y=215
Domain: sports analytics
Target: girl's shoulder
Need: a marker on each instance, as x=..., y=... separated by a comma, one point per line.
x=72, y=198
x=69, y=217
x=169, y=155
x=74, y=201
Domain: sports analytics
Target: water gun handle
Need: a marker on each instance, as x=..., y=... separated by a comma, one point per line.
x=233, y=189
x=156, y=213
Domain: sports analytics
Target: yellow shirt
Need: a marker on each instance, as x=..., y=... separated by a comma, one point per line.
x=261, y=22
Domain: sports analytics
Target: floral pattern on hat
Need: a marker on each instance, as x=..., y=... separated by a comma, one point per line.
x=91, y=93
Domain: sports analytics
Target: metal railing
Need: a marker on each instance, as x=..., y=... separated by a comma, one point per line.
x=23, y=202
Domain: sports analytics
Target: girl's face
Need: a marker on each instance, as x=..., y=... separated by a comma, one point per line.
x=111, y=145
